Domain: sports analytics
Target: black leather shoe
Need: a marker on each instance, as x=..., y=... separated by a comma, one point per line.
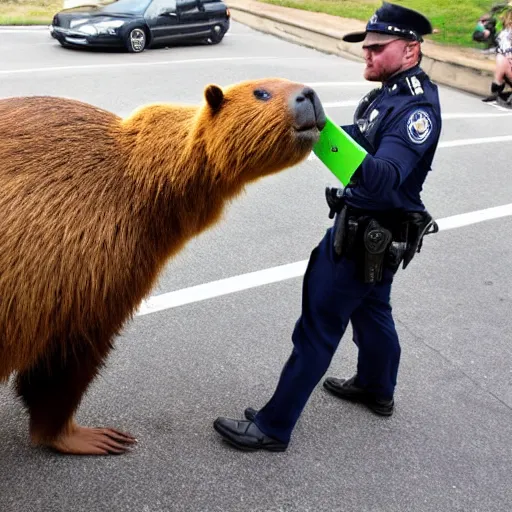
x=250, y=413
x=346, y=389
x=491, y=97
x=496, y=91
x=245, y=435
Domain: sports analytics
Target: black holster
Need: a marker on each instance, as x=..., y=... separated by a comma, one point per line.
x=376, y=240
x=364, y=240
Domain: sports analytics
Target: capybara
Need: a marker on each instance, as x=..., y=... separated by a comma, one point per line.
x=92, y=207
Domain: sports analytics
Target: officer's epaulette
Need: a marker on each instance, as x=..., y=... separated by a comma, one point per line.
x=409, y=85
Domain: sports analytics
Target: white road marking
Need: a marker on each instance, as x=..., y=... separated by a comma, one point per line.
x=472, y=142
x=466, y=219
x=140, y=64
x=289, y=271
x=499, y=107
x=475, y=115
x=221, y=287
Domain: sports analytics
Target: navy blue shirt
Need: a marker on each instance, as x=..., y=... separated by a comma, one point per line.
x=399, y=125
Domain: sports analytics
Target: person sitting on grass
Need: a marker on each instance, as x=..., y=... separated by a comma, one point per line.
x=485, y=31
x=503, y=69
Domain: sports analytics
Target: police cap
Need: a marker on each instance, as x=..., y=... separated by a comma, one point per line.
x=394, y=20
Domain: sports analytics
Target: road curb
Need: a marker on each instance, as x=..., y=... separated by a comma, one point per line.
x=457, y=72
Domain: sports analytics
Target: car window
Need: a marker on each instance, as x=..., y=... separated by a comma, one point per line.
x=126, y=6
x=158, y=7
x=187, y=5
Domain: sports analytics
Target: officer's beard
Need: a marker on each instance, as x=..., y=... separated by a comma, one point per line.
x=408, y=62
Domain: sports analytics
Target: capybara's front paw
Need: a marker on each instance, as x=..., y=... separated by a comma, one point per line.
x=93, y=441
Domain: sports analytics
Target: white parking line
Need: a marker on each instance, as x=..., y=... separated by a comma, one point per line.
x=476, y=115
x=283, y=272
x=221, y=287
x=499, y=107
x=472, y=142
x=466, y=219
x=141, y=64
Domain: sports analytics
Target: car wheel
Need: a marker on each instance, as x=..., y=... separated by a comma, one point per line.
x=136, y=40
x=217, y=35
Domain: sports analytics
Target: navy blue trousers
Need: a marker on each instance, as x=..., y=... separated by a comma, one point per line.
x=332, y=296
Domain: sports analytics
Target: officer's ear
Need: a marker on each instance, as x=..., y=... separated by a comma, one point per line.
x=412, y=50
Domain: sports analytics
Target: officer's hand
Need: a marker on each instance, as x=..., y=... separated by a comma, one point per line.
x=334, y=200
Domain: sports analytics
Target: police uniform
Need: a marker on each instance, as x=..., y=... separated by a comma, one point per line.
x=399, y=126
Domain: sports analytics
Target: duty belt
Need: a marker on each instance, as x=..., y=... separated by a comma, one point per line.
x=380, y=239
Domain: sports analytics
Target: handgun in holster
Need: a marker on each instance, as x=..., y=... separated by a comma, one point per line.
x=346, y=227
x=419, y=224
x=376, y=240
x=335, y=201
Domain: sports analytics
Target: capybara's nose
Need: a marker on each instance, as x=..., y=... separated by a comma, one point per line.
x=308, y=110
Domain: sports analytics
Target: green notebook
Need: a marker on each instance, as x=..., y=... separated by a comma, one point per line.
x=341, y=154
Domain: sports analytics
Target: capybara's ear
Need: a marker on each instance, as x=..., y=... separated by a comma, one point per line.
x=214, y=96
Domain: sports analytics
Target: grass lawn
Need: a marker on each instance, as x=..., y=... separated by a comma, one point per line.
x=28, y=12
x=455, y=20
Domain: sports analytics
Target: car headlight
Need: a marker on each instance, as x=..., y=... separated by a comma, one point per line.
x=87, y=29
x=80, y=21
x=108, y=27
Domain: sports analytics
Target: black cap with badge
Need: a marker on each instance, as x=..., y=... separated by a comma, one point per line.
x=394, y=20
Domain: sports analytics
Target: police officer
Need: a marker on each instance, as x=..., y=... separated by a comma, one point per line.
x=380, y=222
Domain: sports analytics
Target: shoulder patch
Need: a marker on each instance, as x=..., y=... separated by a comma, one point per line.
x=419, y=126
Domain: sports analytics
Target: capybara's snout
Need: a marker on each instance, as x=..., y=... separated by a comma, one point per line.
x=307, y=110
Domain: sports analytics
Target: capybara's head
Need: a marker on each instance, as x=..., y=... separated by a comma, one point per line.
x=259, y=127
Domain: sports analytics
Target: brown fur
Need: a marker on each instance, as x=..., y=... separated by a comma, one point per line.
x=92, y=206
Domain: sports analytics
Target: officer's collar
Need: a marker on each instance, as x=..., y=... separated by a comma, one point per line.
x=395, y=79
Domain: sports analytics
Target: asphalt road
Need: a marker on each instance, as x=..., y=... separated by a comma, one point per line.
x=447, y=448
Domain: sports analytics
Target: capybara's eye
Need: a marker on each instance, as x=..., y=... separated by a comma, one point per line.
x=261, y=94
